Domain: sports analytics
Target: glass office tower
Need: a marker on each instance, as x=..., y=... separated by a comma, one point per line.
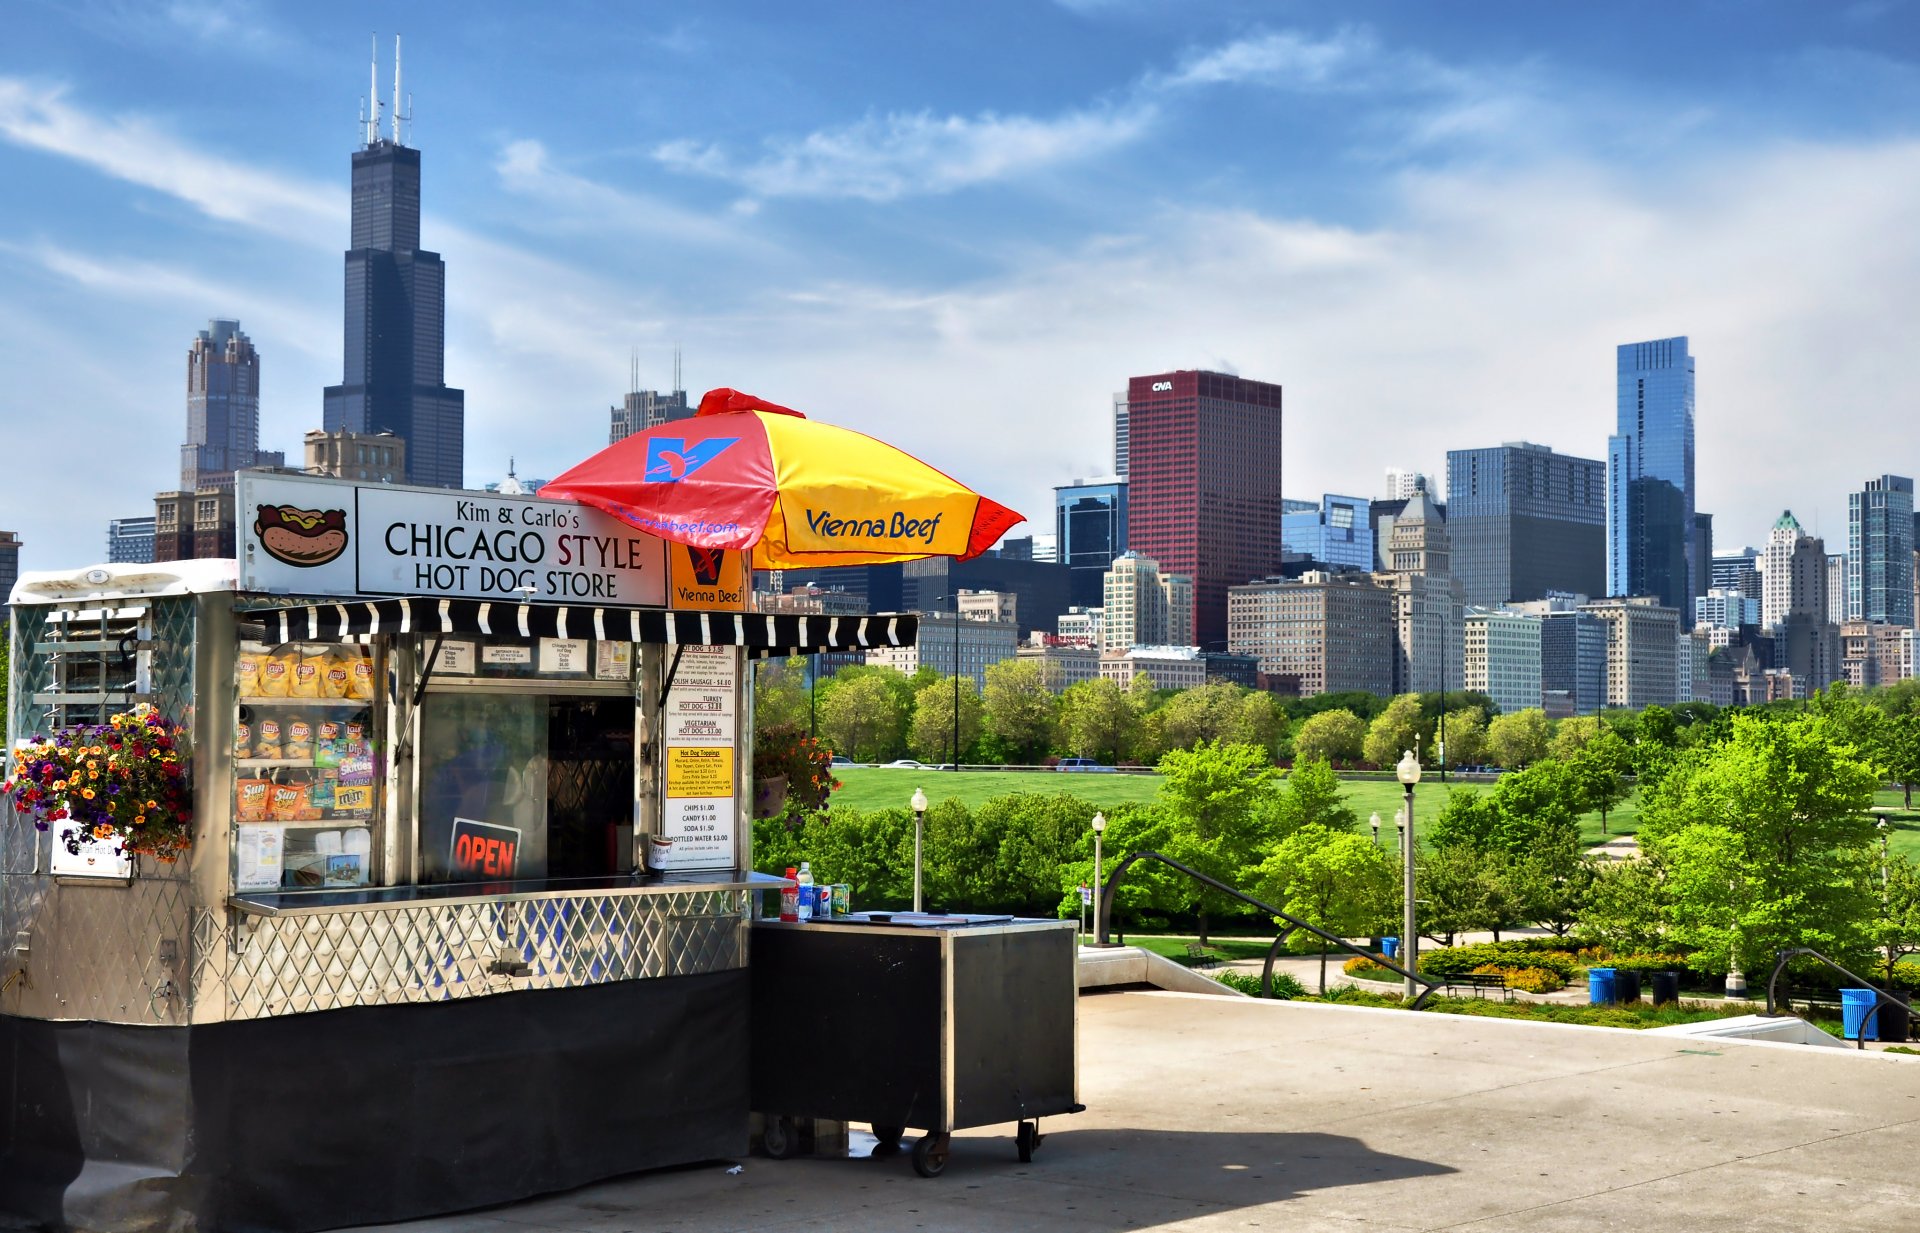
x=1650, y=490
x=1526, y=521
x=1090, y=526
x=1880, y=551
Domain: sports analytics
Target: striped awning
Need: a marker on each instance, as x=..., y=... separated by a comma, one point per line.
x=766, y=632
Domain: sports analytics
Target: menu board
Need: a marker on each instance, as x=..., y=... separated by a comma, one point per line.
x=701, y=760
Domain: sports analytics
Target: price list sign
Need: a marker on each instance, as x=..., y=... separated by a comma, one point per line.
x=699, y=815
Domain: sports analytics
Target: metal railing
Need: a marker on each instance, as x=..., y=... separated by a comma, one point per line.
x=1104, y=911
x=1880, y=996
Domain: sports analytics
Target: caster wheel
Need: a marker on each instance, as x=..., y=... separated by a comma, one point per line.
x=778, y=1137
x=888, y=1140
x=930, y=1156
x=1027, y=1139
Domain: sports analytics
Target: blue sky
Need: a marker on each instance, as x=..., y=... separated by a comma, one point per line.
x=961, y=227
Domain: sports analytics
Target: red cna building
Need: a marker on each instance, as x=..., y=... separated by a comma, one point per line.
x=1204, y=476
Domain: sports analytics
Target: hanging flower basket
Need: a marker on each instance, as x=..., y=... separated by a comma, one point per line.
x=124, y=781
x=769, y=796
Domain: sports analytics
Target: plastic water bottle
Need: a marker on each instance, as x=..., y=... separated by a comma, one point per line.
x=806, y=891
x=790, y=900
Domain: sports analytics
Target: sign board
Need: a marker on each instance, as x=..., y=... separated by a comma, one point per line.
x=699, y=812
x=96, y=858
x=307, y=535
x=1086, y=896
x=483, y=851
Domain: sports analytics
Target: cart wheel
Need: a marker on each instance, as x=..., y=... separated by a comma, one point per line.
x=1027, y=1139
x=778, y=1137
x=930, y=1156
x=888, y=1139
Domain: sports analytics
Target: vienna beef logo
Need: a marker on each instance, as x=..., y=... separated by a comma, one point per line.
x=706, y=576
x=919, y=530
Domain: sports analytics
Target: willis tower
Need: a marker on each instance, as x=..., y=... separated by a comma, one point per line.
x=395, y=373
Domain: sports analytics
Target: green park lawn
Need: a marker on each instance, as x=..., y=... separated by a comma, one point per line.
x=867, y=788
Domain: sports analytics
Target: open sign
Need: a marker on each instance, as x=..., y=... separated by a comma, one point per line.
x=483, y=851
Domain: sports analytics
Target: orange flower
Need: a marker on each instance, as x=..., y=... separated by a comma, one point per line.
x=87, y=792
x=140, y=819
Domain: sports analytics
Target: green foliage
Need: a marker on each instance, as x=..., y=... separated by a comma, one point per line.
x=931, y=734
x=1311, y=796
x=872, y=851
x=1571, y=735
x=1519, y=739
x=1521, y=952
x=1019, y=709
x=1626, y=904
x=1465, y=737
x=862, y=712
x=1150, y=888
x=1597, y=774
x=1099, y=719
x=780, y=694
x=1896, y=923
x=1395, y=730
x=1330, y=736
x=1335, y=880
x=1766, y=838
x=1285, y=987
x=785, y=750
x=1213, y=794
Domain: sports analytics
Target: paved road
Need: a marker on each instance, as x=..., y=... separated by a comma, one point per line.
x=1208, y=1114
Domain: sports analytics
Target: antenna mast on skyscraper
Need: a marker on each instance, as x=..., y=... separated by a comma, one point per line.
x=677, y=387
x=398, y=115
x=371, y=118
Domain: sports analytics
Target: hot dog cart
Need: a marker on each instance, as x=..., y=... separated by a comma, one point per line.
x=416, y=958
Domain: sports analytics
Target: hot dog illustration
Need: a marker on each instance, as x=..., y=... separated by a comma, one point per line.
x=303, y=537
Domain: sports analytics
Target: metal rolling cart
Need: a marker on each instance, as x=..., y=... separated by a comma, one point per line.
x=930, y=1022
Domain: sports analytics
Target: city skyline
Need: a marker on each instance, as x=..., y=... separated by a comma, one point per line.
x=1431, y=225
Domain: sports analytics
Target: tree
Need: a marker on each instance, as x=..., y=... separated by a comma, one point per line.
x=1598, y=774
x=1311, y=796
x=1149, y=886
x=1203, y=713
x=1896, y=927
x=1626, y=904
x=1098, y=719
x=1451, y=891
x=864, y=715
x=1899, y=749
x=1213, y=794
x=1571, y=735
x=780, y=694
x=1020, y=709
x=1519, y=739
x=1394, y=730
x=1330, y=736
x=1465, y=734
x=1766, y=840
x=1257, y=720
x=930, y=735
x=1335, y=880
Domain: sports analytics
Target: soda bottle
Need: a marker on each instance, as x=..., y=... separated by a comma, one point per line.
x=790, y=900
x=807, y=900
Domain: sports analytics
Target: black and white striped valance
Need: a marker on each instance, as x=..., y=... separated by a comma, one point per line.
x=768, y=632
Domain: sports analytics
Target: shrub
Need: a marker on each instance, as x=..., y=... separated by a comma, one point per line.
x=1527, y=980
x=1639, y=963
x=1367, y=968
x=1285, y=987
x=1525, y=953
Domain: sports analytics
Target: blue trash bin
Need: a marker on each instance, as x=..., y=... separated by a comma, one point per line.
x=1600, y=986
x=1391, y=946
x=1856, y=1014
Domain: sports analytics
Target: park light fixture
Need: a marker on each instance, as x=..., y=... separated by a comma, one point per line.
x=919, y=804
x=1408, y=773
x=1099, y=898
x=1374, y=822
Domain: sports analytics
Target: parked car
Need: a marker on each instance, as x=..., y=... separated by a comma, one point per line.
x=908, y=764
x=1080, y=764
x=839, y=760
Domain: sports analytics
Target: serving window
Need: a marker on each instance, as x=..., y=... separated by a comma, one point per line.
x=308, y=755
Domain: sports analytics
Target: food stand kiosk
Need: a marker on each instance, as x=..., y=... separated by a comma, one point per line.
x=429, y=949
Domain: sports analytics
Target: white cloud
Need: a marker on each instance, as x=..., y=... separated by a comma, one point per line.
x=895, y=156
x=1285, y=58
x=133, y=149
x=580, y=204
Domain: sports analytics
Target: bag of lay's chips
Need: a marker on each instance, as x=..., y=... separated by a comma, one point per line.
x=299, y=744
x=246, y=673
x=360, y=677
x=243, y=740
x=307, y=671
x=337, y=679
x=276, y=674
x=266, y=739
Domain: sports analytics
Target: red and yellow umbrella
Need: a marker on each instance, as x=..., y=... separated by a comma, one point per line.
x=744, y=473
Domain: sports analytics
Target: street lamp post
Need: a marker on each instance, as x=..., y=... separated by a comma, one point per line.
x=1099, y=888
x=1374, y=822
x=956, y=681
x=919, y=803
x=1409, y=774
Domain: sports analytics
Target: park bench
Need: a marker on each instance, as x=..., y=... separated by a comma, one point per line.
x=1480, y=982
x=1200, y=957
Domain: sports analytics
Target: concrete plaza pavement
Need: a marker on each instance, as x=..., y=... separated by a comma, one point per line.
x=1214, y=1113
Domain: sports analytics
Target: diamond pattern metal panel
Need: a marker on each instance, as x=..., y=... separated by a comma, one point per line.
x=268, y=966
x=174, y=627
x=112, y=953
x=32, y=674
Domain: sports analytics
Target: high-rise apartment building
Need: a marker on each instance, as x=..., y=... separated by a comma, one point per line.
x=1795, y=579
x=1322, y=633
x=1573, y=656
x=1524, y=521
x=1651, y=530
x=1090, y=530
x=1641, y=664
x=1880, y=552
x=1501, y=658
x=1335, y=532
x=9, y=568
x=130, y=541
x=1204, y=484
x=1144, y=607
x=1121, y=451
x=394, y=371
x=1836, y=609
x=1725, y=609
x=1876, y=653
x=223, y=409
